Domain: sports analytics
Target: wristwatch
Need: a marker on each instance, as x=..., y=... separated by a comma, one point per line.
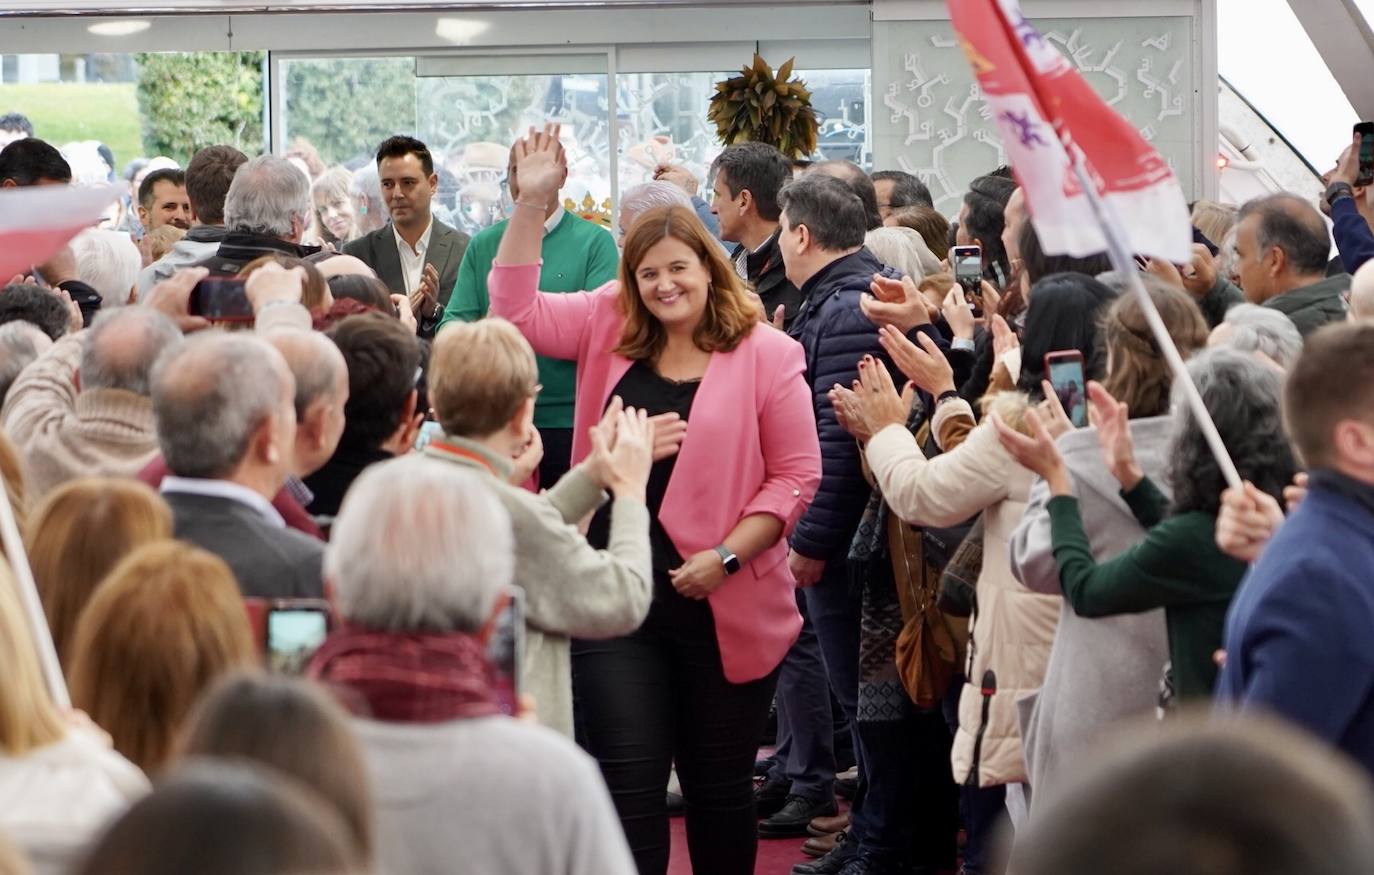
x=1337, y=190
x=730, y=559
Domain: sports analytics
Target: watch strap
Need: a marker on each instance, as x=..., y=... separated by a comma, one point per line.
x=1337, y=190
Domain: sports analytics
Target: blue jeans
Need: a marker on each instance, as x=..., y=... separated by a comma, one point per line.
x=805, y=754
x=834, y=611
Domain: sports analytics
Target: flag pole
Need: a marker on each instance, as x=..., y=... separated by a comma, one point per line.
x=1123, y=262
x=33, y=605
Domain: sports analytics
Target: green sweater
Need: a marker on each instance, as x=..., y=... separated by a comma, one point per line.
x=578, y=255
x=1177, y=567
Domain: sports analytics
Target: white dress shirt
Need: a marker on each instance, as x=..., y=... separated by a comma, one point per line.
x=552, y=221
x=413, y=260
x=224, y=489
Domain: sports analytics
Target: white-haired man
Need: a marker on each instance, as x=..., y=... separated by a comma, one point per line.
x=421, y=563
x=266, y=212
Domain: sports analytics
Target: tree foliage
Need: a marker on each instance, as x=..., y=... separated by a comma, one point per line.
x=196, y=99
x=346, y=106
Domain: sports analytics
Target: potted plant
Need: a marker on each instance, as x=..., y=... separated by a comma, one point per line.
x=761, y=107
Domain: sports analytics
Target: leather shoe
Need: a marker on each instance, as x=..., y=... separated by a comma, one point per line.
x=831, y=864
x=795, y=815
x=819, y=846
x=824, y=826
x=770, y=797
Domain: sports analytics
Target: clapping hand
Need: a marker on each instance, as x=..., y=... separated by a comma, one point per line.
x=924, y=365
x=1112, y=420
x=872, y=404
x=896, y=302
x=425, y=299
x=1036, y=452
x=622, y=451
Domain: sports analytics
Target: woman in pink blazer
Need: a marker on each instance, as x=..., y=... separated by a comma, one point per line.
x=679, y=334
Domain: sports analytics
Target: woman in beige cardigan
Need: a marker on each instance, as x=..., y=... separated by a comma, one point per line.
x=1013, y=628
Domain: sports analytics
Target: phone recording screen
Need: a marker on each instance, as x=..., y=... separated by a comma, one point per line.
x=1067, y=378
x=293, y=636
x=221, y=299
x=968, y=269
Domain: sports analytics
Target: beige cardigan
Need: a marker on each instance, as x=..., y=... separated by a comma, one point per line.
x=1013, y=629
x=62, y=434
x=572, y=590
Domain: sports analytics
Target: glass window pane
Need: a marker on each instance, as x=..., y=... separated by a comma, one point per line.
x=469, y=123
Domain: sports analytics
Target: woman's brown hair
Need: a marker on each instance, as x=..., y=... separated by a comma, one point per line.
x=166, y=624
x=13, y=473
x=293, y=727
x=1138, y=375
x=315, y=290
x=730, y=313
x=78, y=533
x=28, y=717
x=930, y=223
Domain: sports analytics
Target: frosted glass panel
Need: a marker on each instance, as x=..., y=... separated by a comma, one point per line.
x=929, y=117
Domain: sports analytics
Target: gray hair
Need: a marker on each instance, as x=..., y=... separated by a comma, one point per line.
x=1242, y=395
x=420, y=544
x=828, y=208
x=122, y=347
x=365, y=182
x=1264, y=330
x=315, y=362
x=209, y=395
x=107, y=261
x=20, y=344
x=903, y=249
x=1227, y=255
x=267, y=195
x=642, y=198
x=1294, y=226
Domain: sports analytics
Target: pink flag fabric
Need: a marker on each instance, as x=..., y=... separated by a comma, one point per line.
x=1050, y=120
x=36, y=222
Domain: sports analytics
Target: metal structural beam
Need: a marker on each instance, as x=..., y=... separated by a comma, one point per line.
x=1343, y=38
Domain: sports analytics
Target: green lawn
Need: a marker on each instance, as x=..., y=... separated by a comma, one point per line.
x=66, y=111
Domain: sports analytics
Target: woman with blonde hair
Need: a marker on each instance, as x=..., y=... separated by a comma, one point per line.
x=79, y=532
x=678, y=333
x=59, y=780
x=334, y=219
x=165, y=625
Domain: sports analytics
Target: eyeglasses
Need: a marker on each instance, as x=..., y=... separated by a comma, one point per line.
x=538, y=387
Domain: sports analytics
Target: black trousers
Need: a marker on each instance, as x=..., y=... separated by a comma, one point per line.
x=660, y=696
x=557, y=455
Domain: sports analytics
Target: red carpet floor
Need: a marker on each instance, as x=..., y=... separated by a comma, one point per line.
x=776, y=856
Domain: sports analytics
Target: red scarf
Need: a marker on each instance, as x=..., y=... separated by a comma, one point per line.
x=407, y=677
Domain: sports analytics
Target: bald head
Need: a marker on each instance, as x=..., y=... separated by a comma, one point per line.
x=1362, y=293
x=212, y=394
x=122, y=347
x=859, y=182
x=315, y=363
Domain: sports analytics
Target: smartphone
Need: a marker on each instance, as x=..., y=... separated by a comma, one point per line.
x=968, y=272
x=1366, y=173
x=221, y=299
x=506, y=650
x=1065, y=372
x=295, y=630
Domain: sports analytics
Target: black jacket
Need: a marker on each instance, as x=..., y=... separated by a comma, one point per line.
x=768, y=275
x=835, y=335
x=238, y=248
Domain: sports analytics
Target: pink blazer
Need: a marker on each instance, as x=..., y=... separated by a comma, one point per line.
x=731, y=464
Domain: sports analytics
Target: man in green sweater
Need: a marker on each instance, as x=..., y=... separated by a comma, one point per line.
x=578, y=255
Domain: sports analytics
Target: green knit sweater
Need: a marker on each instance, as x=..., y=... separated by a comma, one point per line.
x=1177, y=567
x=578, y=255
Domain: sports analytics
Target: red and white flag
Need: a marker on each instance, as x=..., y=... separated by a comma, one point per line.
x=36, y=222
x=1050, y=119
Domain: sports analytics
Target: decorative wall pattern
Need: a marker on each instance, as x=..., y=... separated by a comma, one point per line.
x=929, y=117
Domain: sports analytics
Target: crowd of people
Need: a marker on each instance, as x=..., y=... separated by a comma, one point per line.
x=760, y=465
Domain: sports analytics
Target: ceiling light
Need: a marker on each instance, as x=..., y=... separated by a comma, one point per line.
x=119, y=28
x=460, y=30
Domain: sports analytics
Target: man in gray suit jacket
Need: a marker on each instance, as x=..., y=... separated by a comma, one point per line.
x=226, y=422
x=416, y=254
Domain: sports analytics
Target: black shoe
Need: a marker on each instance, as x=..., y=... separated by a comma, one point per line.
x=867, y=866
x=770, y=797
x=846, y=788
x=795, y=815
x=831, y=863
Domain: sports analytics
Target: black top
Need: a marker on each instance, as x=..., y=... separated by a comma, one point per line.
x=643, y=388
